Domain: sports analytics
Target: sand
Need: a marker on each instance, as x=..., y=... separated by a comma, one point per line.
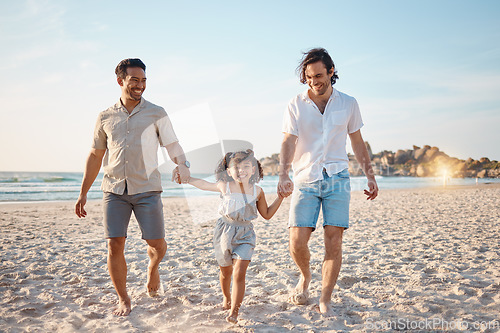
x=412, y=259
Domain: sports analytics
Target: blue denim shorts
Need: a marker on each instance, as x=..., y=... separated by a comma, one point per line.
x=332, y=194
x=147, y=208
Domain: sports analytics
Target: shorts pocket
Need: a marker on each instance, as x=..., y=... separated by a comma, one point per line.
x=344, y=174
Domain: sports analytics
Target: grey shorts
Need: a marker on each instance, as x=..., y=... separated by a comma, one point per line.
x=233, y=241
x=147, y=208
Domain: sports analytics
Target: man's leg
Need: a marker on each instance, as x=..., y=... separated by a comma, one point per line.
x=148, y=210
x=331, y=265
x=299, y=250
x=117, y=267
x=156, y=251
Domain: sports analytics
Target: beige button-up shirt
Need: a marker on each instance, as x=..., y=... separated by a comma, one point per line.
x=131, y=142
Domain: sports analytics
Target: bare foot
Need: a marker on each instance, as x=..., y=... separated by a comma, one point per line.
x=233, y=319
x=153, y=284
x=226, y=304
x=123, y=309
x=300, y=294
x=325, y=309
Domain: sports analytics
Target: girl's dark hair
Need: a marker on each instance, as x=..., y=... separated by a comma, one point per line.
x=121, y=69
x=315, y=55
x=236, y=158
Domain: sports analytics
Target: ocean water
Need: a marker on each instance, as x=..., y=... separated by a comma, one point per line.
x=61, y=186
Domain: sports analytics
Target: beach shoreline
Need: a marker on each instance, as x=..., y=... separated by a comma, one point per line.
x=434, y=187
x=411, y=256
x=41, y=187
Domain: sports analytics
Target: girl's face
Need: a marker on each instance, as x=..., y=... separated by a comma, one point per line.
x=242, y=171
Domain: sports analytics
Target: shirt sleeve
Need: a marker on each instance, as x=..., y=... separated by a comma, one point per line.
x=290, y=121
x=100, y=137
x=355, y=122
x=166, y=134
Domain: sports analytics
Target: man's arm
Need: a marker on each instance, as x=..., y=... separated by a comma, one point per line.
x=92, y=167
x=285, y=184
x=363, y=158
x=176, y=154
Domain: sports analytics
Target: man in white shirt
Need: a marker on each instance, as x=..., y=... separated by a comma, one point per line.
x=315, y=126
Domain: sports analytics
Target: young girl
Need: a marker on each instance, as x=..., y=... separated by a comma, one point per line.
x=234, y=237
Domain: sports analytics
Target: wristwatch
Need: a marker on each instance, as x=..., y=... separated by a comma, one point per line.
x=186, y=164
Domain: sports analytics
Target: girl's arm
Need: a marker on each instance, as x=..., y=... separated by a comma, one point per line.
x=204, y=185
x=199, y=183
x=265, y=211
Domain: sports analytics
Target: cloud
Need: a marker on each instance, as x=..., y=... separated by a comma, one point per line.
x=32, y=19
x=186, y=70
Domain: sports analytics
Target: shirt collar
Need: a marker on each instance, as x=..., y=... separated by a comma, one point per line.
x=305, y=95
x=119, y=106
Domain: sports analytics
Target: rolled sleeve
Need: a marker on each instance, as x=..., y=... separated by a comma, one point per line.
x=290, y=122
x=355, y=121
x=166, y=134
x=100, y=138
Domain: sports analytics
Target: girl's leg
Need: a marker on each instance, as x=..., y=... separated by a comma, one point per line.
x=240, y=271
x=225, y=284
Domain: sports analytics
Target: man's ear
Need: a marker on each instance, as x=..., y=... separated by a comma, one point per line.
x=332, y=70
x=120, y=81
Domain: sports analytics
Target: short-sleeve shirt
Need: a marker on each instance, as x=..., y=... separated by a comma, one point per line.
x=131, y=142
x=322, y=138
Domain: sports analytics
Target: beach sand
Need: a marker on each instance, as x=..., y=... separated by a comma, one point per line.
x=411, y=258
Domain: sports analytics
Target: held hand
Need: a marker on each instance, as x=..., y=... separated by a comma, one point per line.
x=79, y=206
x=184, y=174
x=285, y=186
x=175, y=175
x=281, y=197
x=373, y=189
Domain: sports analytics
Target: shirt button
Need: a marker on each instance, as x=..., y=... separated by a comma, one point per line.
x=126, y=162
x=128, y=132
x=127, y=146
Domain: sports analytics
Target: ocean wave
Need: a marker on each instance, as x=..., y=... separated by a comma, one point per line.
x=17, y=191
x=54, y=179
x=13, y=177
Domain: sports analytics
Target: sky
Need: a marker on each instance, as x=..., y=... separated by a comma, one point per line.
x=423, y=72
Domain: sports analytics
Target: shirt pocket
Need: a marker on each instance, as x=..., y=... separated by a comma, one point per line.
x=114, y=131
x=338, y=118
x=109, y=126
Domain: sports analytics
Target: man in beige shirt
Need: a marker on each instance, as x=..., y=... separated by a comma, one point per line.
x=126, y=139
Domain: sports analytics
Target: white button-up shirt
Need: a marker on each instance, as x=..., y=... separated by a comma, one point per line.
x=322, y=138
x=132, y=142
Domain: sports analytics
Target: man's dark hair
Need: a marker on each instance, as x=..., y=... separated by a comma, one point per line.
x=121, y=69
x=315, y=55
